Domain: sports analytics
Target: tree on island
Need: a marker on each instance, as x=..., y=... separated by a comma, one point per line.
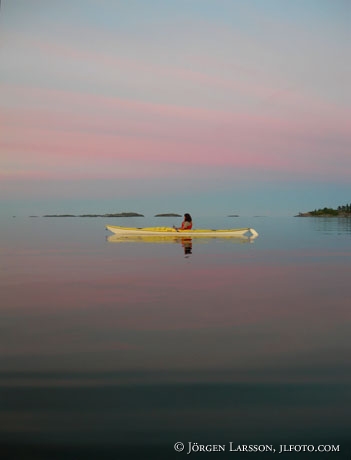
x=345, y=208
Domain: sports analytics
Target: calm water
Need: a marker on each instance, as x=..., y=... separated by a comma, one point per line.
x=121, y=349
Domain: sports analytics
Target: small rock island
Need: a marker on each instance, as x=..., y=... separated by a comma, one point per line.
x=169, y=214
x=118, y=214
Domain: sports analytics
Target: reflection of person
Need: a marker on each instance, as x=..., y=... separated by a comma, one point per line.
x=187, y=244
x=187, y=223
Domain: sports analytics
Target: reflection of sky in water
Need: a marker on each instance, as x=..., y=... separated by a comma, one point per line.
x=329, y=225
x=232, y=337
x=226, y=312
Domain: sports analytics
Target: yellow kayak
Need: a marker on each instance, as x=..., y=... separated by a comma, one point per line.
x=172, y=232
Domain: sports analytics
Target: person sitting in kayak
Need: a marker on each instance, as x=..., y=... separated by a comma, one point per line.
x=187, y=223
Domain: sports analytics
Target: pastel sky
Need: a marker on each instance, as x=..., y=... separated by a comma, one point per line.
x=202, y=106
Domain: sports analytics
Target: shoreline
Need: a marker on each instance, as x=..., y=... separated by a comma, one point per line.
x=311, y=214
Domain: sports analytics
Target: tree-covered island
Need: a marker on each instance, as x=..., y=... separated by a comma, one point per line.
x=340, y=211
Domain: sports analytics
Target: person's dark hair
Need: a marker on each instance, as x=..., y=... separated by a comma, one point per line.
x=187, y=217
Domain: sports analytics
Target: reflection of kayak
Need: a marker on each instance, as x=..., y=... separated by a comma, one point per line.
x=172, y=232
x=169, y=239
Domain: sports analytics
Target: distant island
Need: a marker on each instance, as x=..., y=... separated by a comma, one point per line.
x=119, y=214
x=341, y=211
x=170, y=214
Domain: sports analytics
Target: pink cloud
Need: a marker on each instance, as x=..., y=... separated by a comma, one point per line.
x=146, y=67
x=263, y=87
x=98, y=127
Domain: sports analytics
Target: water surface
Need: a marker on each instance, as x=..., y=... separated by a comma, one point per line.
x=122, y=349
